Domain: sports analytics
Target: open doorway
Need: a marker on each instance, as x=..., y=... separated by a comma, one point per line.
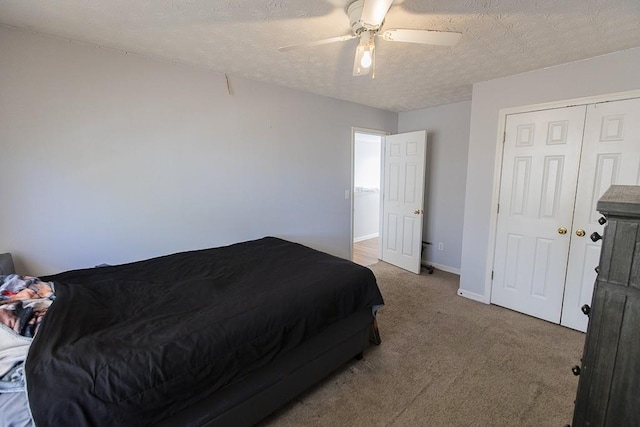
x=367, y=175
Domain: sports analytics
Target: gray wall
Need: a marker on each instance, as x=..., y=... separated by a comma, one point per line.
x=108, y=157
x=447, y=129
x=615, y=72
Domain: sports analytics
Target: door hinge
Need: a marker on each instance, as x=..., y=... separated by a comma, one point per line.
x=498, y=210
x=504, y=136
x=491, y=274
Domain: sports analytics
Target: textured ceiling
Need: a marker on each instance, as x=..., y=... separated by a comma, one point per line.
x=241, y=38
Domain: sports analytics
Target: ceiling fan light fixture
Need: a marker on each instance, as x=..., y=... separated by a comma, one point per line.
x=367, y=59
x=362, y=65
x=365, y=54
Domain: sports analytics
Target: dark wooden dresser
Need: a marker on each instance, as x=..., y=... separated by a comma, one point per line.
x=609, y=385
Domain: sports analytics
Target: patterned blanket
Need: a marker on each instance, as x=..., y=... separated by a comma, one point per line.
x=24, y=300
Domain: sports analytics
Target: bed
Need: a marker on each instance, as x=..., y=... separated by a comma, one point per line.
x=213, y=337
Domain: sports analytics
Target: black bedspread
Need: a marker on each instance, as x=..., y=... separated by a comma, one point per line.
x=135, y=343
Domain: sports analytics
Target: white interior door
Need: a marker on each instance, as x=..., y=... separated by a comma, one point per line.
x=610, y=155
x=403, y=199
x=537, y=194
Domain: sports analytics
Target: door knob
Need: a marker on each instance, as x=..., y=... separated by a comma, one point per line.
x=562, y=230
x=580, y=232
x=418, y=211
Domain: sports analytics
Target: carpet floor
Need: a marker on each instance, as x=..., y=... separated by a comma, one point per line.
x=446, y=361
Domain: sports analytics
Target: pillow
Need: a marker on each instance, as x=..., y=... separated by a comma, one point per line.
x=6, y=264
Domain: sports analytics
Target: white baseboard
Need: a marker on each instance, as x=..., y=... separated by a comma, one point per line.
x=473, y=296
x=367, y=237
x=442, y=267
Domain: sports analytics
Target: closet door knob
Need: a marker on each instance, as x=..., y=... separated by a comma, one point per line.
x=586, y=309
x=595, y=236
x=580, y=232
x=576, y=370
x=562, y=230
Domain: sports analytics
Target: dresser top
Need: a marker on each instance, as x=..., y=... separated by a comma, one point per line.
x=621, y=200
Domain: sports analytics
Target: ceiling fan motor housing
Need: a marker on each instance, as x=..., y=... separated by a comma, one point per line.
x=354, y=12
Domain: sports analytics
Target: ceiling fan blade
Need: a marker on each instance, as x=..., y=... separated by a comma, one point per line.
x=441, y=38
x=316, y=43
x=374, y=11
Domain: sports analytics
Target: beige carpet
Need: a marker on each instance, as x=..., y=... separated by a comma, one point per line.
x=447, y=361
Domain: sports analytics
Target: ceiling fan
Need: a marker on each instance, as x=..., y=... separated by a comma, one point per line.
x=366, y=18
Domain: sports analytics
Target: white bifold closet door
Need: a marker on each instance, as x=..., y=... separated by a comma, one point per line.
x=537, y=193
x=556, y=165
x=610, y=155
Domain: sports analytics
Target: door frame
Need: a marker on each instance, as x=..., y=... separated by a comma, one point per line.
x=497, y=173
x=382, y=133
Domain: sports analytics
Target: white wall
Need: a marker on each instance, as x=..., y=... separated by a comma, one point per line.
x=447, y=129
x=366, y=215
x=367, y=160
x=615, y=72
x=367, y=153
x=108, y=157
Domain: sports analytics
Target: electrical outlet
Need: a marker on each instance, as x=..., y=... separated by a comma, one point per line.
x=441, y=246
